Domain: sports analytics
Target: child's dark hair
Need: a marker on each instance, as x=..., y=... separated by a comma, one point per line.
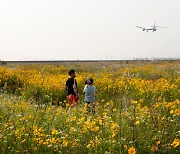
x=86, y=82
x=71, y=72
x=90, y=81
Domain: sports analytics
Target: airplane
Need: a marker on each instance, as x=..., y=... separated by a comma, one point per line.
x=151, y=28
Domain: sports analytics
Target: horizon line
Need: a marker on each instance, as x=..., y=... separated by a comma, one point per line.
x=77, y=60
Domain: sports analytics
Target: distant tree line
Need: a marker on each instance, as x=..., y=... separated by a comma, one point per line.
x=2, y=62
x=157, y=59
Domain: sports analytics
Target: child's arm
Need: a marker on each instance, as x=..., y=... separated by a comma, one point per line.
x=85, y=88
x=75, y=87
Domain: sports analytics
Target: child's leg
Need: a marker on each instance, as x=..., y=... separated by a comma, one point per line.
x=93, y=107
x=70, y=100
x=88, y=107
x=75, y=100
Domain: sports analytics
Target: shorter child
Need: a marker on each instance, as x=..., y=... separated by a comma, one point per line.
x=89, y=91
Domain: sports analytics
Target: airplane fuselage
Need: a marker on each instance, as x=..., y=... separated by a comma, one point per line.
x=149, y=29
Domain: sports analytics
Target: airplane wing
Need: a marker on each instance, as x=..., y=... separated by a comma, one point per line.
x=160, y=27
x=141, y=27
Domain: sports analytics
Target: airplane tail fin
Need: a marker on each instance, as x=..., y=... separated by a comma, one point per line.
x=155, y=24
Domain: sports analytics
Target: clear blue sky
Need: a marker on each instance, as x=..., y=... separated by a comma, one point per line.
x=88, y=29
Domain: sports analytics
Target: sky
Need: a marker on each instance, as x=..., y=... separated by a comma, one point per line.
x=88, y=29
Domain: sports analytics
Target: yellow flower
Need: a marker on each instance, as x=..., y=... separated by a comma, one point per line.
x=125, y=147
x=24, y=105
x=96, y=128
x=80, y=120
x=23, y=141
x=159, y=98
x=154, y=148
x=100, y=122
x=91, y=144
x=35, y=148
x=22, y=129
x=45, y=143
x=53, y=140
x=113, y=135
x=54, y=132
x=41, y=141
x=67, y=120
x=171, y=111
x=65, y=143
x=72, y=129
x=73, y=118
x=141, y=100
x=67, y=105
x=158, y=142
x=74, y=142
x=133, y=102
x=132, y=150
x=137, y=123
x=88, y=146
x=175, y=143
x=177, y=112
x=114, y=126
x=97, y=103
x=74, y=109
x=114, y=110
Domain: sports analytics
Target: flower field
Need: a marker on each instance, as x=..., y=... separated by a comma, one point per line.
x=137, y=109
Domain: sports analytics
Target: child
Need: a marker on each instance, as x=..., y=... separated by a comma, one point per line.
x=89, y=91
x=71, y=88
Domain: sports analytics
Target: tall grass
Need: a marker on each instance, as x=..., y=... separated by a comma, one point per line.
x=137, y=109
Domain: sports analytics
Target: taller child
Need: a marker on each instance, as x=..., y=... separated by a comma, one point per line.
x=71, y=88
